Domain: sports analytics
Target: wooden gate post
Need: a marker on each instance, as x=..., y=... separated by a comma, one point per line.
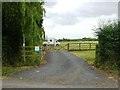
x=68, y=46
x=79, y=46
x=24, y=54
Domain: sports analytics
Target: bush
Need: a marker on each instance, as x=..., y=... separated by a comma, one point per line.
x=107, y=53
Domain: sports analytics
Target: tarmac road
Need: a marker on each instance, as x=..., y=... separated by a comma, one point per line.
x=63, y=70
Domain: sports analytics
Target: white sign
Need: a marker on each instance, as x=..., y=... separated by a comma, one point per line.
x=23, y=44
x=37, y=49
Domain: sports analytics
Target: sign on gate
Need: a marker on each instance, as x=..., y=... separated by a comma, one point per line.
x=37, y=49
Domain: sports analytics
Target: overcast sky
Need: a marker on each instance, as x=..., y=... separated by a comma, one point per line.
x=75, y=18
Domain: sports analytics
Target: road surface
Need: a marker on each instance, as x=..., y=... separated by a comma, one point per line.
x=63, y=70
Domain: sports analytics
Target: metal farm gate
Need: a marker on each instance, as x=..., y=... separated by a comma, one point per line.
x=71, y=47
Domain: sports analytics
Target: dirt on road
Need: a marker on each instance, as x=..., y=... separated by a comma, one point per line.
x=63, y=70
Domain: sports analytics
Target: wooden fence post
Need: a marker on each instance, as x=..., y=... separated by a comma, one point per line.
x=89, y=45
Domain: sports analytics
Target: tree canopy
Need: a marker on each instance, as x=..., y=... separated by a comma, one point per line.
x=19, y=20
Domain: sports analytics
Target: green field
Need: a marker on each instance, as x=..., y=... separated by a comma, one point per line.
x=80, y=45
x=87, y=55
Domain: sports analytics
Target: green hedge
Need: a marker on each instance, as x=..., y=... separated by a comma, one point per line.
x=108, y=49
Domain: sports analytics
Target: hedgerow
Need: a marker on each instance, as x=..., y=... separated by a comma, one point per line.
x=108, y=49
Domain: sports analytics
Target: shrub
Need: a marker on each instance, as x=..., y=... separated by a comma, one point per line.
x=108, y=49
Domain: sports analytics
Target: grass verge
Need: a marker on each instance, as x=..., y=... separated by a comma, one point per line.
x=6, y=71
x=88, y=56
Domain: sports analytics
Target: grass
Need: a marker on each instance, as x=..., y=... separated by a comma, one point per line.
x=6, y=71
x=88, y=56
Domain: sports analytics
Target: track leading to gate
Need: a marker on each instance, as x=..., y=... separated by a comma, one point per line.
x=63, y=70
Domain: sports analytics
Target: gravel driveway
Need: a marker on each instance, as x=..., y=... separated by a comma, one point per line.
x=62, y=70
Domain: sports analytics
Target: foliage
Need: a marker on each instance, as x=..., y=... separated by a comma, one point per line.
x=20, y=20
x=83, y=39
x=89, y=39
x=12, y=32
x=32, y=20
x=107, y=54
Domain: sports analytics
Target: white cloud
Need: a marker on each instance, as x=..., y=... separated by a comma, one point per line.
x=64, y=6
x=68, y=19
x=72, y=31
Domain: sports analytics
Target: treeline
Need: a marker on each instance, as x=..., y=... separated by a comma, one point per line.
x=108, y=50
x=21, y=21
x=83, y=39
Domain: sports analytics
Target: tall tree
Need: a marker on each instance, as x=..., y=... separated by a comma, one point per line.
x=20, y=19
